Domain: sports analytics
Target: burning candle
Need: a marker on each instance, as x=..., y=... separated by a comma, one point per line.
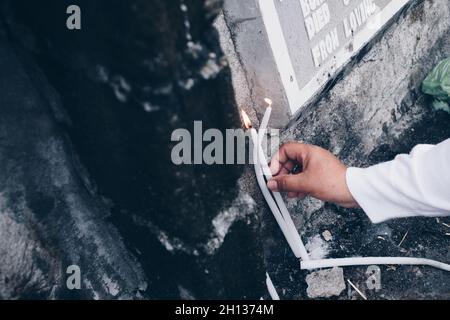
x=262, y=185
x=295, y=247
x=295, y=237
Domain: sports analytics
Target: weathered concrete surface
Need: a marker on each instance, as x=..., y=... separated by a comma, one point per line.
x=374, y=111
x=48, y=218
x=371, y=112
x=251, y=52
x=117, y=89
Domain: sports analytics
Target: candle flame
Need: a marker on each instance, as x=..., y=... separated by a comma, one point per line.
x=268, y=101
x=246, y=119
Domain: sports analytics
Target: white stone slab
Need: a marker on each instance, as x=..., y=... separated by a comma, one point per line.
x=311, y=40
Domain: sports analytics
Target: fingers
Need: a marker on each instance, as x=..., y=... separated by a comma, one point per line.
x=298, y=195
x=301, y=195
x=284, y=160
x=292, y=195
x=290, y=183
x=287, y=168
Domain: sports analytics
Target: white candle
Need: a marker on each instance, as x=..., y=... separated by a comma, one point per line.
x=363, y=261
x=266, y=193
x=271, y=288
x=293, y=232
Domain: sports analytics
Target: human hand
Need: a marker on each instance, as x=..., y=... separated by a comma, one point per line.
x=321, y=176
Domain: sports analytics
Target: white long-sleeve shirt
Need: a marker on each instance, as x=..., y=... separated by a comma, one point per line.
x=417, y=184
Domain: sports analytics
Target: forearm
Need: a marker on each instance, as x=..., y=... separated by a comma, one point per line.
x=417, y=184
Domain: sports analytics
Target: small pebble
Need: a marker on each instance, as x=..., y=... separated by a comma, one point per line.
x=327, y=235
x=325, y=283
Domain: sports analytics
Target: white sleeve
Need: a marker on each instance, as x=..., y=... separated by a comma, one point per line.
x=417, y=184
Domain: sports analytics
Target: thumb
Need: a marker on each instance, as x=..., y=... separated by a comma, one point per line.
x=289, y=183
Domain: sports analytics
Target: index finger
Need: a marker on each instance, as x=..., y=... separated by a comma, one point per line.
x=288, y=153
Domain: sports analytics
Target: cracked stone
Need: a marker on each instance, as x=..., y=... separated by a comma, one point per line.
x=325, y=283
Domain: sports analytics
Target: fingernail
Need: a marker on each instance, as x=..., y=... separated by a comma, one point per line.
x=274, y=168
x=272, y=185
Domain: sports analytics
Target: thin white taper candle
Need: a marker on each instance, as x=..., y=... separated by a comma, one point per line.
x=271, y=288
x=293, y=232
x=270, y=201
x=365, y=261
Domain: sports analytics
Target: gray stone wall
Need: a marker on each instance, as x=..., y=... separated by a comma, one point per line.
x=372, y=111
